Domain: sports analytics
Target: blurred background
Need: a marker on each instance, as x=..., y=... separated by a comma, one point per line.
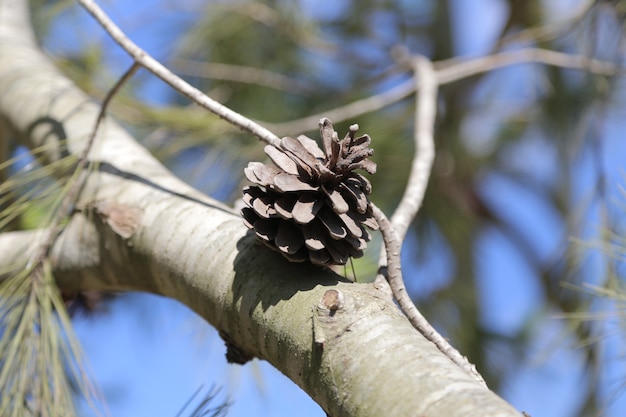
x=516, y=255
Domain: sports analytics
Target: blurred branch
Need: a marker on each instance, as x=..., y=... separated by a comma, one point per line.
x=348, y=111
x=455, y=69
x=548, y=31
x=241, y=74
x=180, y=85
x=448, y=71
x=268, y=16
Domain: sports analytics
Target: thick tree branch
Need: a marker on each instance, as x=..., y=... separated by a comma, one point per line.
x=332, y=338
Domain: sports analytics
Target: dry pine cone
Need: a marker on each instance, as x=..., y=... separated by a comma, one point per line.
x=312, y=205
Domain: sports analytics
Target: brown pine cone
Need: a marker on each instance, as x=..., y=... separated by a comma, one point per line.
x=312, y=205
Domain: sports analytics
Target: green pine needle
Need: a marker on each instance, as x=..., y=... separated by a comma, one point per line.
x=41, y=364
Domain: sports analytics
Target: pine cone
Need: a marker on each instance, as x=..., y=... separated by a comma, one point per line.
x=312, y=205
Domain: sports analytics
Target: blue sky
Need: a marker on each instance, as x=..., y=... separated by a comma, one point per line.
x=150, y=354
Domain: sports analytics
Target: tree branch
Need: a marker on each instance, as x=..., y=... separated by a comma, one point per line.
x=426, y=109
x=545, y=32
x=425, y=83
x=180, y=85
x=446, y=72
x=456, y=69
x=396, y=282
x=189, y=247
x=77, y=181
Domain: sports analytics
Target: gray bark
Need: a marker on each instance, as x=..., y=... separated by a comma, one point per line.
x=345, y=344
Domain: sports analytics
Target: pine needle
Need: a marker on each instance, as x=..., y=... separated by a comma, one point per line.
x=41, y=365
x=40, y=351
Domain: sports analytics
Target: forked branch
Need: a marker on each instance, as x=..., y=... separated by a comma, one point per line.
x=396, y=282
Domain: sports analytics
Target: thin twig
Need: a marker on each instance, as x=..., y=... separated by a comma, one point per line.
x=396, y=282
x=425, y=112
x=38, y=272
x=148, y=62
x=425, y=80
x=394, y=231
x=77, y=182
x=448, y=71
x=456, y=69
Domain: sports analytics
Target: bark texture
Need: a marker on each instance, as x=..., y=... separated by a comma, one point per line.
x=346, y=345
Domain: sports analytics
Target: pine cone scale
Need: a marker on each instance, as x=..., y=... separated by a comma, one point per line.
x=333, y=225
x=326, y=133
x=281, y=160
x=284, y=206
x=260, y=173
x=353, y=227
x=306, y=208
x=314, y=239
x=288, y=239
x=311, y=147
x=356, y=195
x=320, y=257
x=307, y=162
x=263, y=207
x=337, y=202
x=285, y=183
x=266, y=229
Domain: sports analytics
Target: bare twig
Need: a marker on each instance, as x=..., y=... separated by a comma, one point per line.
x=33, y=286
x=145, y=60
x=425, y=112
x=77, y=182
x=394, y=231
x=448, y=71
x=426, y=85
x=241, y=74
x=456, y=69
x=396, y=282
